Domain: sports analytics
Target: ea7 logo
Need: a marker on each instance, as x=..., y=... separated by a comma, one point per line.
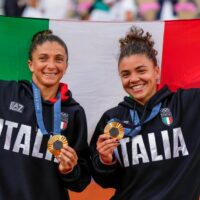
x=14, y=106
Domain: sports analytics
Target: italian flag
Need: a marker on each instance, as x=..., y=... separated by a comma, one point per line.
x=92, y=73
x=167, y=120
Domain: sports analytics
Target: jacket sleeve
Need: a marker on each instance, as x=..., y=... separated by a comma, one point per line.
x=80, y=177
x=104, y=175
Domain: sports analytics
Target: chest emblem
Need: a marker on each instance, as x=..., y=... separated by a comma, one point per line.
x=16, y=107
x=166, y=116
x=64, y=120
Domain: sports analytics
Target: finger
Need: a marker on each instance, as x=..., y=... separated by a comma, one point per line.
x=65, y=168
x=66, y=149
x=66, y=162
x=103, y=137
x=107, y=142
x=107, y=149
x=70, y=155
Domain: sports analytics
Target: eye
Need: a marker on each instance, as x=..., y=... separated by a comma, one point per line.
x=141, y=71
x=42, y=58
x=59, y=59
x=124, y=75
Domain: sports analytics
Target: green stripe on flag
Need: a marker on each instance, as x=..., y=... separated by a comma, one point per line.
x=15, y=38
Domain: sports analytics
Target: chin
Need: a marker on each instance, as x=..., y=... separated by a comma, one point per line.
x=50, y=83
x=139, y=95
x=139, y=98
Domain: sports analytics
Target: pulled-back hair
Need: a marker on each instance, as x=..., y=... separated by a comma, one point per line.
x=45, y=36
x=137, y=42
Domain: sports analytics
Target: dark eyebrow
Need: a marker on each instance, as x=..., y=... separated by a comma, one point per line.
x=59, y=55
x=42, y=54
x=140, y=67
x=137, y=68
x=124, y=71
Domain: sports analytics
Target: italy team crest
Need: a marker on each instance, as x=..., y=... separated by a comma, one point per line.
x=64, y=120
x=166, y=116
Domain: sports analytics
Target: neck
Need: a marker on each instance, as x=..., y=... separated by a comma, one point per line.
x=48, y=92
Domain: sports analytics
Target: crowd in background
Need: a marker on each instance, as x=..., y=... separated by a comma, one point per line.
x=103, y=10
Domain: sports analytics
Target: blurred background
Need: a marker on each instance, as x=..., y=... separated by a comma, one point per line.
x=102, y=10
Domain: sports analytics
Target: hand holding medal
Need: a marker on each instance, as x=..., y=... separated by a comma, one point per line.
x=108, y=141
x=67, y=159
x=114, y=130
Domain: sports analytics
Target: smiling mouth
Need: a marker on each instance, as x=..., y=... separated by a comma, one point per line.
x=138, y=88
x=50, y=74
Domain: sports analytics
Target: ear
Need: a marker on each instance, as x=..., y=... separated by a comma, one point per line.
x=30, y=64
x=157, y=73
x=66, y=68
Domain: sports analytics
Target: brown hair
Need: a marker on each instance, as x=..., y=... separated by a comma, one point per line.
x=43, y=36
x=137, y=42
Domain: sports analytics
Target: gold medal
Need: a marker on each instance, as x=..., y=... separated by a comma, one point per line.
x=115, y=130
x=55, y=144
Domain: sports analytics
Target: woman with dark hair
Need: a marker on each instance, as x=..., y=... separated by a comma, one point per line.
x=148, y=146
x=40, y=115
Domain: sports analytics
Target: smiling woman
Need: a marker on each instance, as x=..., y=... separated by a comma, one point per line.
x=48, y=63
x=37, y=115
x=158, y=156
x=139, y=76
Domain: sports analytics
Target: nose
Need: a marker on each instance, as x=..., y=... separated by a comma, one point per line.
x=134, y=78
x=51, y=64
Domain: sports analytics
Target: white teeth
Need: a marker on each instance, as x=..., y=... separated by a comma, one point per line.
x=137, y=87
x=50, y=74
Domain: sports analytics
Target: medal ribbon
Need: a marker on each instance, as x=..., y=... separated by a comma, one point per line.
x=38, y=111
x=136, y=120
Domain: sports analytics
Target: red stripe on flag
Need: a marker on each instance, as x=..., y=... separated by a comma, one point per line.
x=170, y=120
x=181, y=54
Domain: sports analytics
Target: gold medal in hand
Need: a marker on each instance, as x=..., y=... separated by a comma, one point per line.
x=115, y=130
x=55, y=144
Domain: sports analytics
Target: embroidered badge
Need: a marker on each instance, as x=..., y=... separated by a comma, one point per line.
x=64, y=120
x=166, y=116
x=17, y=107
